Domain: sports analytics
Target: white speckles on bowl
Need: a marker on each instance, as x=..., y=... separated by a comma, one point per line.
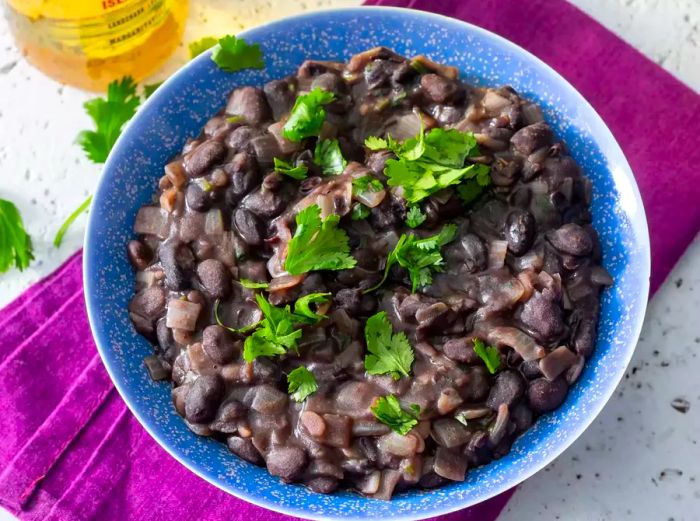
x=179, y=109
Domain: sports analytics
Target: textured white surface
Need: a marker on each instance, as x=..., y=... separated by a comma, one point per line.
x=628, y=467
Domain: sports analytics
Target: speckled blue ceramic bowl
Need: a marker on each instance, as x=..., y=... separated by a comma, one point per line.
x=184, y=103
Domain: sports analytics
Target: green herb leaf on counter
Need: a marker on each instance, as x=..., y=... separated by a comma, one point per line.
x=150, y=89
x=109, y=115
x=414, y=217
x=329, y=157
x=302, y=307
x=15, y=243
x=359, y=212
x=275, y=336
x=233, y=54
x=429, y=162
x=197, y=47
x=489, y=354
x=302, y=383
x=388, y=410
x=387, y=353
x=238, y=331
x=420, y=257
x=317, y=244
x=307, y=115
x=295, y=172
x=252, y=284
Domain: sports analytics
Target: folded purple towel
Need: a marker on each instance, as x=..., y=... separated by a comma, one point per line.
x=70, y=450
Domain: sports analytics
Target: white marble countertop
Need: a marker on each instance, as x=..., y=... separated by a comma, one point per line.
x=640, y=460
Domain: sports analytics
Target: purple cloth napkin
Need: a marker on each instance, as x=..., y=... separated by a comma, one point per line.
x=70, y=450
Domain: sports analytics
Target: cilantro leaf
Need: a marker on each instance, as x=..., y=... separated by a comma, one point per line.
x=253, y=284
x=376, y=143
x=329, y=157
x=302, y=305
x=359, y=212
x=15, y=243
x=366, y=183
x=489, y=354
x=414, y=217
x=235, y=119
x=109, y=115
x=317, y=245
x=232, y=54
x=148, y=90
x=295, y=172
x=388, y=353
x=307, y=115
x=237, y=331
x=388, y=410
x=302, y=383
x=197, y=47
x=419, y=256
x=276, y=334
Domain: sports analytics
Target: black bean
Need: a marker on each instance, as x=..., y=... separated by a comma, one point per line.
x=583, y=331
x=369, y=448
x=286, y=462
x=244, y=449
x=478, y=383
x=323, y=484
x=140, y=254
x=202, y=399
x=264, y=203
x=544, y=395
x=272, y=182
x=572, y=239
x=176, y=277
x=248, y=226
x=219, y=345
x=250, y=103
x=215, y=278
x=508, y=387
x=542, y=317
x=280, y=96
x=349, y=299
x=330, y=82
x=149, y=303
x=530, y=138
x=309, y=184
x=197, y=198
x=439, y=89
x=239, y=139
x=377, y=73
x=376, y=162
x=520, y=231
x=204, y=157
x=460, y=350
x=531, y=369
x=521, y=416
x=469, y=252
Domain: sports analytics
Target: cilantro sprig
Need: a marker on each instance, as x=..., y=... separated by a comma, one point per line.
x=253, y=284
x=415, y=217
x=197, y=47
x=302, y=383
x=285, y=167
x=420, y=257
x=302, y=307
x=329, y=157
x=307, y=115
x=317, y=244
x=430, y=161
x=15, y=243
x=489, y=354
x=388, y=410
x=233, y=54
x=388, y=352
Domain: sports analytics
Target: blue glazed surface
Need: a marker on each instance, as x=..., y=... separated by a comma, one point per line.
x=181, y=107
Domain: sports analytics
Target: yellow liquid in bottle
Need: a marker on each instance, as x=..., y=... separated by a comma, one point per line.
x=88, y=43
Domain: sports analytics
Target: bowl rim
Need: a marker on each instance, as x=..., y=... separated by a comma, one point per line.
x=560, y=445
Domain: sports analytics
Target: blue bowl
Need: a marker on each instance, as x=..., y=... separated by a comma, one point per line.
x=180, y=108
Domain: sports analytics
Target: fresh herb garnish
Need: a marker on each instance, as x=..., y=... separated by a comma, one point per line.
x=275, y=336
x=307, y=115
x=489, y=354
x=317, y=244
x=419, y=256
x=387, y=353
x=235, y=119
x=414, y=217
x=359, y=212
x=302, y=306
x=366, y=183
x=197, y=47
x=295, y=172
x=388, y=410
x=329, y=157
x=237, y=331
x=302, y=383
x=233, y=54
x=429, y=162
x=15, y=243
x=253, y=284
x=150, y=89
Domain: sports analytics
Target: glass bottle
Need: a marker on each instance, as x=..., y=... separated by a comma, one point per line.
x=88, y=43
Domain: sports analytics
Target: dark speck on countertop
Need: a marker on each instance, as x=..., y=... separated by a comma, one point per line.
x=679, y=283
x=681, y=405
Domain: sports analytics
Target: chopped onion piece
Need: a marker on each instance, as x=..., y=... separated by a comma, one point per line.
x=214, y=223
x=285, y=282
x=182, y=314
x=556, y=362
x=371, y=199
x=497, y=254
x=523, y=344
x=152, y=220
